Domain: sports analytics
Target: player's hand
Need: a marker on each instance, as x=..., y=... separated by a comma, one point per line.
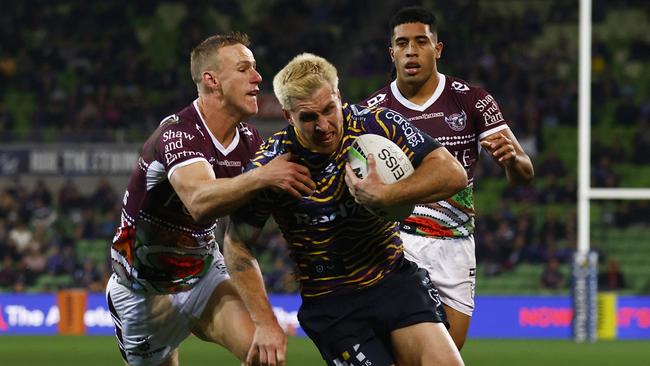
x=369, y=190
x=501, y=148
x=281, y=173
x=269, y=346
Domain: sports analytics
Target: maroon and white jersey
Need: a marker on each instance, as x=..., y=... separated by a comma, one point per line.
x=158, y=246
x=458, y=115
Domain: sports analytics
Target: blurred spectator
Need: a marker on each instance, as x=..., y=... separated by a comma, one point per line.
x=8, y=273
x=87, y=276
x=552, y=164
x=603, y=174
x=641, y=151
x=34, y=262
x=20, y=236
x=550, y=192
x=552, y=278
x=70, y=198
x=104, y=198
x=611, y=278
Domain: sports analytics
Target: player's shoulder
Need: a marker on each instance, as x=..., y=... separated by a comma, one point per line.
x=365, y=114
x=379, y=98
x=185, y=124
x=276, y=144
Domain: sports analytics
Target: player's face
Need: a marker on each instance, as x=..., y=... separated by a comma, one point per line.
x=414, y=51
x=238, y=79
x=318, y=120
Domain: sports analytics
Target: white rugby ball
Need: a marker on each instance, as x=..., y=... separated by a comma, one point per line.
x=392, y=166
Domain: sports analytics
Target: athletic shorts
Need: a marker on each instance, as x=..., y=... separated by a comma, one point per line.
x=451, y=264
x=149, y=327
x=354, y=328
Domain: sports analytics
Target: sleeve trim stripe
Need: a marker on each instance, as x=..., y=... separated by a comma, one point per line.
x=182, y=164
x=491, y=131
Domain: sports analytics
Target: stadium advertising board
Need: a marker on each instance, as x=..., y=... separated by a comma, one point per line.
x=66, y=160
x=526, y=317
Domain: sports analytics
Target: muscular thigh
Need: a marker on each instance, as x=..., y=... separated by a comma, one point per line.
x=149, y=328
x=451, y=264
x=424, y=344
x=226, y=321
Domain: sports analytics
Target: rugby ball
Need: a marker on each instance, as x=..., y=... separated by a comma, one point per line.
x=392, y=166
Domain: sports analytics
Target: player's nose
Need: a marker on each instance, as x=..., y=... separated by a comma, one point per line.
x=256, y=78
x=411, y=49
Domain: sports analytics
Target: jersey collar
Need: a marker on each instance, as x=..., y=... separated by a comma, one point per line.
x=223, y=150
x=442, y=80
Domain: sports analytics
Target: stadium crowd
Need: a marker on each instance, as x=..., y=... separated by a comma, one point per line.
x=103, y=80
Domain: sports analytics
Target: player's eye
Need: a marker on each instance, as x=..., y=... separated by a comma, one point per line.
x=308, y=117
x=328, y=110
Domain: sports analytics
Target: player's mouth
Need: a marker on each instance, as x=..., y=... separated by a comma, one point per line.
x=325, y=138
x=412, y=68
x=253, y=93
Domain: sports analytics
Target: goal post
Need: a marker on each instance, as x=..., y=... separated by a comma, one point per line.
x=585, y=262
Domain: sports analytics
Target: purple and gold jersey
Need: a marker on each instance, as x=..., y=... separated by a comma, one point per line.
x=338, y=246
x=458, y=115
x=158, y=246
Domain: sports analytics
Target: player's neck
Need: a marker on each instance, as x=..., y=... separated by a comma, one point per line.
x=220, y=120
x=419, y=93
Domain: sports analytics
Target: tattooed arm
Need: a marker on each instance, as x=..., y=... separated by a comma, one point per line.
x=269, y=341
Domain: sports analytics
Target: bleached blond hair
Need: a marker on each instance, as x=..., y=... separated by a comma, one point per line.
x=301, y=77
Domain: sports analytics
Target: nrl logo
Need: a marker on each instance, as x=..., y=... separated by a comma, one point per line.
x=457, y=121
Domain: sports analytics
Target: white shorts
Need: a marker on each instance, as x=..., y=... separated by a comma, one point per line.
x=451, y=264
x=149, y=327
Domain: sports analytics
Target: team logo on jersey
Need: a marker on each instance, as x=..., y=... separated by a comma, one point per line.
x=458, y=86
x=244, y=129
x=376, y=100
x=271, y=150
x=457, y=121
x=330, y=169
x=359, y=111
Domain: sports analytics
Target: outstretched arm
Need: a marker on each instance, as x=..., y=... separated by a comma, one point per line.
x=507, y=152
x=207, y=198
x=438, y=176
x=269, y=341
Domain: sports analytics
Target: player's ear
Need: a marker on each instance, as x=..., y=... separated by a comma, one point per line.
x=210, y=80
x=439, y=47
x=287, y=116
x=392, y=54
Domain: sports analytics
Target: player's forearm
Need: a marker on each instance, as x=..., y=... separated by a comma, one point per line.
x=438, y=177
x=247, y=278
x=520, y=171
x=220, y=197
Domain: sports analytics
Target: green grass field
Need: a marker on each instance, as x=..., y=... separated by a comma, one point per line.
x=100, y=351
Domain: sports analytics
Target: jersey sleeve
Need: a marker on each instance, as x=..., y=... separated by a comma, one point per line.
x=415, y=143
x=179, y=146
x=486, y=112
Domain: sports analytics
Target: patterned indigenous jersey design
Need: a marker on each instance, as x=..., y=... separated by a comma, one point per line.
x=338, y=246
x=158, y=246
x=458, y=115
